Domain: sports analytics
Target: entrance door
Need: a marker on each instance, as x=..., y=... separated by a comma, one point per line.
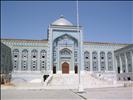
x=65, y=68
x=76, y=69
x=54, y=69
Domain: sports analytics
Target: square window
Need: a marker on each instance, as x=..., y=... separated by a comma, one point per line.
x=42, y=66
x=102, y=57
x=94, y=57
x=42, y=61
x=15, y=56
x=43, y=56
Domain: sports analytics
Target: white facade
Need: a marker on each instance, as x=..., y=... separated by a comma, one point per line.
x=64, y=52
x=124, y=63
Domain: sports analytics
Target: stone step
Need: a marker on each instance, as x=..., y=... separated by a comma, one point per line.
x=72, y=81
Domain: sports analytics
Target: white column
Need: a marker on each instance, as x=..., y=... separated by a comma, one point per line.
x=126, y=65
x=73, y=61
x=58, y=62
x=113, y=61
x=116, y=64
x=115, y=68
x=121, y=69
x=48, y=57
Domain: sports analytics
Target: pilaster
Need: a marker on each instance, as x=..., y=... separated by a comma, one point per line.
x=49, y=65
x=91, y=69
x=99, y=66
x=19, y=59
x=38, y=61
x=106, y=61
x=81, y=51
x=29, y=60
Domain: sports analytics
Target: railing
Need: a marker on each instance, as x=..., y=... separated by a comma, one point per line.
x=48, y=80
x=99, y=76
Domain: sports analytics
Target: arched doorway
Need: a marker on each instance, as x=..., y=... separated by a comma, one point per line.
x=76, y=69
x=65, y=68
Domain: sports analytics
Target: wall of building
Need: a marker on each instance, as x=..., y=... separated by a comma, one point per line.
x=64, y=38
x=100, y=52
x=124, y=63
x=98, y=59
x=29, y=59
x=6, y=64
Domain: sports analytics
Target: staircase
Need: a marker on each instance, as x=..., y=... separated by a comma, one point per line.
x=64, y=81
x=70, y=81
x=89, y=81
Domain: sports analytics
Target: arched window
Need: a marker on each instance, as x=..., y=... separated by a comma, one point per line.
x=15, y=59
x=95, y=61
x=34, y=53
x=34, y=60
x=129, y=61
x=102, y=61
x=43, y=58
x=24, y=65
x=110, y=61
x=43, y=54
x=65, y=52
x=87, y=60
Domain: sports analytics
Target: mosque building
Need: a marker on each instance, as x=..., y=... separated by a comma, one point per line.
x=65, y=53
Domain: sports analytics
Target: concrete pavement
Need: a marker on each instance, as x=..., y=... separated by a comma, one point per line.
x=119, y=93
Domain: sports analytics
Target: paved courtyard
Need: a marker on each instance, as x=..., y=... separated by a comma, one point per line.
x=89, y=94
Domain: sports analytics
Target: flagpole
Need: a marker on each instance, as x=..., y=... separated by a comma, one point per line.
x=80, y=88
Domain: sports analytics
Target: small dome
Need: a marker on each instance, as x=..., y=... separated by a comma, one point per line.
x=62, y=21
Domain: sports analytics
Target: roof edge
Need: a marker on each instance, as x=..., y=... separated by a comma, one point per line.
x=107, y=43
x=23, y=39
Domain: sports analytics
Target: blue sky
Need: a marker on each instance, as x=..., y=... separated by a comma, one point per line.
x=103, y=21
